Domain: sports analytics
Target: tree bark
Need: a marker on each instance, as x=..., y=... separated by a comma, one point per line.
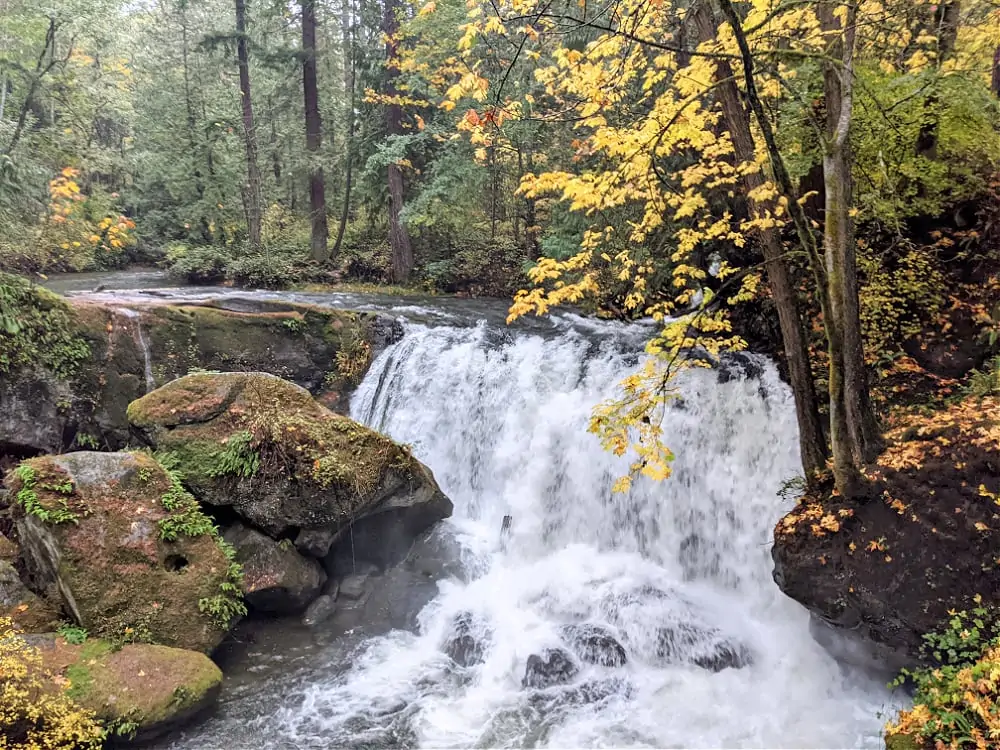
x=314, y=134
x=995, y=83
x=864, y=434
x=349, y=89
x=399, y=238
x=812, y=444
x=253, y=189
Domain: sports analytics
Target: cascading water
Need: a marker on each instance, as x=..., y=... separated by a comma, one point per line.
x=677, y=572
x=140, y=336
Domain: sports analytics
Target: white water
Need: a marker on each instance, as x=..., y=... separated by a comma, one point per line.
x=140, y=336
x=501, y=418
x=502, y=422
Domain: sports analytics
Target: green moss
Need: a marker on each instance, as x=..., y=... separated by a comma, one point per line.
x=37, y=330
x=139, y=685
x=902, y=742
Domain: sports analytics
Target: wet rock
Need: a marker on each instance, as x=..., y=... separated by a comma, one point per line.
x=706, y=648
x=315, y=542
x=320, y=611
x=29, y=612
x=581, y=695
x=153, y=688
x=595, y=645
x=276, y=579
x=395, y=598
x=98, y=528
x=551, y=667
x=285, y=463
x=464, y=644
x=739, y=366
x=354, y=587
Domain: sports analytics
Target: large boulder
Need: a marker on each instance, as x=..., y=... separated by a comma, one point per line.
x=885, y=571
x=140, y=691
x=131, y=554
x=277, y=580
x=289, y=466
x=73, y=366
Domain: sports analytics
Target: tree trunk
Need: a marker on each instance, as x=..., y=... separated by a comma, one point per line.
x=399, y=239
x=253, y=189
x=945, y=29
x=314, y=134
x=34, y=80
x=995, y=84
x=349, y=89
x=3, y=95
x=847, y=473
x=839, y=245
x=812, y=444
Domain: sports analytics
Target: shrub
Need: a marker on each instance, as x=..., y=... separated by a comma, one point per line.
x=262, y=270
x=198, y=264
x=36, y=712
x=956, y=702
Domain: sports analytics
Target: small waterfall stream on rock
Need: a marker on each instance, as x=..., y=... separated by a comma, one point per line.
x=678, y=572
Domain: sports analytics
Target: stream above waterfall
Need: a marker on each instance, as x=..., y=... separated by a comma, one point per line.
x=677, y=572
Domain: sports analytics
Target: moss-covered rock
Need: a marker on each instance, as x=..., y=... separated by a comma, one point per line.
x=132, y=556
x=66, y=382
x=288, y=465
x=139, y=691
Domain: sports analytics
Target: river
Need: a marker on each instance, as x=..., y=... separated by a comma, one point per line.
x=500, y=415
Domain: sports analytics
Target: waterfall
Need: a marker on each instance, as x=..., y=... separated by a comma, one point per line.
x=140, y=336
x=679, y=572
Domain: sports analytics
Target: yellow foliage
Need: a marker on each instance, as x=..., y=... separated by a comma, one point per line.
x=35, y=711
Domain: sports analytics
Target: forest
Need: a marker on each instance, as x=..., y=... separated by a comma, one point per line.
x=817, y=181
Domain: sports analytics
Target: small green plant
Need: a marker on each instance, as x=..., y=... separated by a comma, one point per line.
x=238, y=458
x=294, y=324
x=956, y=698
x=72, y=634
x=145, y=474
x=87, y=441
x=985, y=382
x=27, y=497
x=792, y=488
x=185, y=515
x=125, y=726
x=227, y=605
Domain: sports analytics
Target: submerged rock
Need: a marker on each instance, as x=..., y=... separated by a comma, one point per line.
x=552, y=667
x=706, y=648
x=277, y=580
x=288, y=465
x=140, y=691
x=464, y=644
x=130, y=553
x=320, y=611
x=595, y=645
